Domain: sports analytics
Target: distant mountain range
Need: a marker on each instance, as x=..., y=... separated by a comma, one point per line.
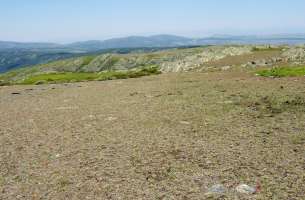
x=17, y=54
x=19, y=45
x=157, y=41
x=134, y=42
x=95, y=45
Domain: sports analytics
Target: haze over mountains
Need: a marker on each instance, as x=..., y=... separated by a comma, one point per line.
x=158, y=41
x=15, y=54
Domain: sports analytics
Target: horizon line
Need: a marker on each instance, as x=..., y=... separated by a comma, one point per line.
x=161, y=34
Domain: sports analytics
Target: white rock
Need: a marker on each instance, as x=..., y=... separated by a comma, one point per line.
x=112, y=118
x=225, y=68
x=217, y=189
x=245, y=189
x=185, y=122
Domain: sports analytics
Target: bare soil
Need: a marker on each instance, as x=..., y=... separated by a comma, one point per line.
x=171, y=136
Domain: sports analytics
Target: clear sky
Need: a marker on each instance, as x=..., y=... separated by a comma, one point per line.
x=75, y=20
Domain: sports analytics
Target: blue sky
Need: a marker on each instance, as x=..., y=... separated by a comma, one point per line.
x=75, y=20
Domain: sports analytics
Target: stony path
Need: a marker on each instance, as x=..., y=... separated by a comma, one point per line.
x=171, y=136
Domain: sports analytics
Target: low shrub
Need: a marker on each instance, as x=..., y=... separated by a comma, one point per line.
x=67, y=77
x=283, y=72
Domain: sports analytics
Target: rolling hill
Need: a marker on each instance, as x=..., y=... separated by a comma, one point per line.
x=167, y=60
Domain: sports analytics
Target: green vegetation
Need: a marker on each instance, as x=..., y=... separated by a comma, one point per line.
x=146, y=71
x=87, y=60
x=10, y=77
x=110, y=62
x=59, y=78
x=269, y=48
x=67, y=77
x=283, y=72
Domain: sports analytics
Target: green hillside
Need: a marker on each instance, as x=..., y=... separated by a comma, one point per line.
x=104, y=62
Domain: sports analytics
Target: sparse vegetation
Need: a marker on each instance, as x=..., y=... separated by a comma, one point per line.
x=63, y=182
x=110, y=62
x=87, y=60
x=298, y=139
x=3, y=83
x=158, y=134
x=283, y=72
x=266, y=48
x=59, y=78
x=270, y=105
x=67, y=77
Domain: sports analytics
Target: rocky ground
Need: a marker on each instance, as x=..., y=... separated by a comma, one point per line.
x=172, y=136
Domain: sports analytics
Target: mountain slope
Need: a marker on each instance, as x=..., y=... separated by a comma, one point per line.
x=11, y=59
x=172, y=60
x=14, y=55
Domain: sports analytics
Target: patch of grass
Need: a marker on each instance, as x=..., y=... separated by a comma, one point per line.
x=269, y=48
x=146, y=71
x=87, y=60
x=67, y=77
x=59, y=78
x=283, y=72
x=64, y=182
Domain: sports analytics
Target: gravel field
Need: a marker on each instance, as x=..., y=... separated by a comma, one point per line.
x=171, y=136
